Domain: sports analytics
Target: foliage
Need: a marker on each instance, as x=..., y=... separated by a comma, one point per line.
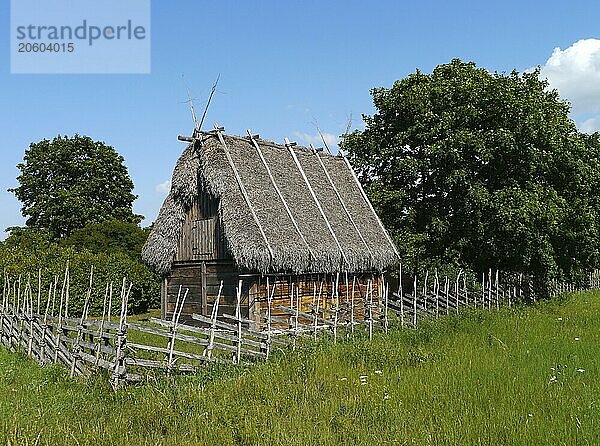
x=27, y=238
x=512, y=377
x=68, y=183
x=109, y=236
x=19, y=257
x=484, y=170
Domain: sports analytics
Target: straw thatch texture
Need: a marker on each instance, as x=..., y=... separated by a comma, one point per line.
x=210, y=169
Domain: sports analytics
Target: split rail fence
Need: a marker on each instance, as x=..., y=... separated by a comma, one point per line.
x=38, y=322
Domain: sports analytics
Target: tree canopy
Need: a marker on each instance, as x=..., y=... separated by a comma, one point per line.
x=481, y=169
x=69, y=182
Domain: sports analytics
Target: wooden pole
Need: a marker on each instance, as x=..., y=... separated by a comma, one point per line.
x=415, y=302
x=352, y=305
x=119, y=375
x=174, y=328
x=281, y=197
x=269, y=302
x=457, y=290
x=290, y=146
x=466, y=292
x=401, y=294
x=447, y=292
x=238, y=315
x=370, y=288
x=317, y=311
x=78, y=339
x=497, y=292
x=386, y=289
x=39, y=290
x=490, y=289
x=437, y=294
x=336, y=307
x=101, y=327
x=425, y=291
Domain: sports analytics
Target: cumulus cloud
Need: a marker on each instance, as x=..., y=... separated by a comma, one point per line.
x=575, y=73
x=164, y=188
x=306, y=139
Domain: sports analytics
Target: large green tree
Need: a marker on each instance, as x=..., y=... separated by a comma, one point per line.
x=70, y=182
x=481, y=169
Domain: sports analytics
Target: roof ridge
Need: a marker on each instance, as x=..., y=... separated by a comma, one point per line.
x=267, y=142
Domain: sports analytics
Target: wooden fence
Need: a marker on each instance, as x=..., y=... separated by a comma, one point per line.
x=129, y=352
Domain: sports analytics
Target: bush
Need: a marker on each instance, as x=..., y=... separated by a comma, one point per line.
x=109, y=236
x=25, y=253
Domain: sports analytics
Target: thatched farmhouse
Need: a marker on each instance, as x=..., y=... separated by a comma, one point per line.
x=245, y=209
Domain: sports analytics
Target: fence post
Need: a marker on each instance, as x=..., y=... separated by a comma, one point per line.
x=238, y=316
x=370, y=303
x=437, y=294
x=415, y=302
x=119, y=375
x=269, y=302
x=401, y=294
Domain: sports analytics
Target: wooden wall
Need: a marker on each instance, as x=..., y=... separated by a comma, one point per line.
x=202, y=236
x=203, y=280
x=309, y=288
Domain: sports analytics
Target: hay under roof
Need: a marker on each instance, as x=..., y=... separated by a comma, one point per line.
x=271, y=220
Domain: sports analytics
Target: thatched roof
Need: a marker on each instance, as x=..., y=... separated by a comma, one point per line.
x=274, y=222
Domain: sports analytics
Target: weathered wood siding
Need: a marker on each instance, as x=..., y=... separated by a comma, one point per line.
x=309, y=288
x=203, y=280
x=202, y=235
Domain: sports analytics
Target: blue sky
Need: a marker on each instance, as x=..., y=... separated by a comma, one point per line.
x=284, y=66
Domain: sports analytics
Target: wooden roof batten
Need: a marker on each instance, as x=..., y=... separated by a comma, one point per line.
x=281, y=197
x=366, y=199
x=238, y=178
x=341, y=200
x=290, y=146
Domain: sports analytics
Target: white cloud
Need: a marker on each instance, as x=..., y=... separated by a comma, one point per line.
x=575, y=73
x=164, y=188
x=306, y=139
x=590, y=125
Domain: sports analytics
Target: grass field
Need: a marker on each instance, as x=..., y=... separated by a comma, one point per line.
x=525, y=376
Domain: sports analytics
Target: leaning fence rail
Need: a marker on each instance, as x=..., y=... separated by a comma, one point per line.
x=37, y=322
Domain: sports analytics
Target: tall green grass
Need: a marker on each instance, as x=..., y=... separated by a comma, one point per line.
x=521, y=376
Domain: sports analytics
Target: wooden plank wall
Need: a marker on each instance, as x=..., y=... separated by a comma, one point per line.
x=202, y=293
x=305, y=286
x=202, y=236
x=254, y=290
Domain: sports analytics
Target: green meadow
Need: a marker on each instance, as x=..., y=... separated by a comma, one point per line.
x=528, y=375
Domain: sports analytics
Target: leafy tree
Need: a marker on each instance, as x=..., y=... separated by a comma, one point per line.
x=27, y=238
x=108, y=237
x=68, y=183
x=486, y=170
